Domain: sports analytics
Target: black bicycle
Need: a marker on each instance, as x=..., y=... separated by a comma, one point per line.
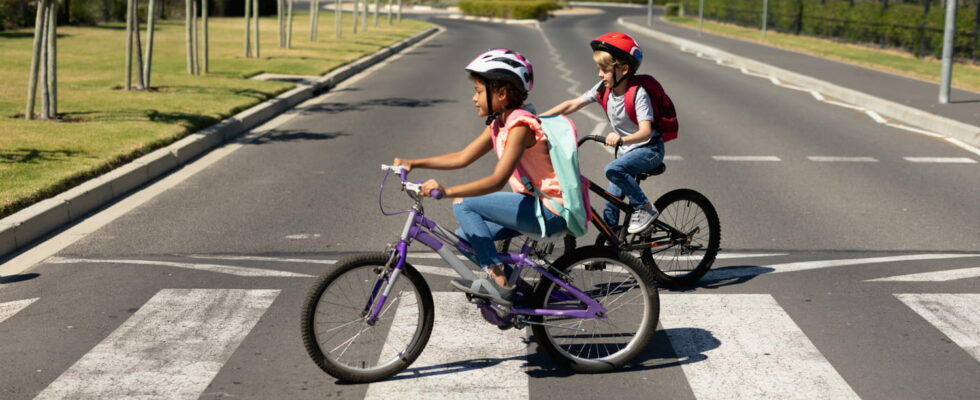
x=681, y=244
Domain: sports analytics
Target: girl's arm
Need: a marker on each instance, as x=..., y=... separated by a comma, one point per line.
x=520, y=137
x=456, y=160
x=566, y=107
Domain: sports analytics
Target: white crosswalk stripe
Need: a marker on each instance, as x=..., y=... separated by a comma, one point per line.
x=170, y=349
x=8, y=309
x=466, y=358
x=761, y=352
x=955, y=315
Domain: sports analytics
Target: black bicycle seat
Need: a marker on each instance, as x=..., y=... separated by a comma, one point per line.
x=653, y=172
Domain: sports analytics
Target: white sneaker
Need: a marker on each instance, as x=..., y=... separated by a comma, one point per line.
x=641, y=220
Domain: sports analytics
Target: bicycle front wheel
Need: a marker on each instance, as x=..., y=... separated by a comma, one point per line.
x=335, y=325
x=684, y=263
x=621, y=284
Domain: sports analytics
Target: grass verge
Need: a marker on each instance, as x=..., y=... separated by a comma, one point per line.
x=102, y=126
x=965, y=76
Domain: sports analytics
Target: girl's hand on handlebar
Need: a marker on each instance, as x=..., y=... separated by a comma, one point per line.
x=431, y=185
x=401, y=162
x=612, y=140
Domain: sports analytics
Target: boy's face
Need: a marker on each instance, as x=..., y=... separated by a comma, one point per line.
x=609, y=75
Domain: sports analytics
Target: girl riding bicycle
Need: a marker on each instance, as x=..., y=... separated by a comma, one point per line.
x=501, y=81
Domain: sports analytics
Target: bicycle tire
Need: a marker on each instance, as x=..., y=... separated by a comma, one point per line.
x=678, y=269
x=575, y=264
x=316, y=308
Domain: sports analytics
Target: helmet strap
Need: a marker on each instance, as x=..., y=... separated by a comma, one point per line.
x=617, y=81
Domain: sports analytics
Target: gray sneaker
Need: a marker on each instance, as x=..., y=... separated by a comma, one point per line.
x=641, y=220
x=485, y=288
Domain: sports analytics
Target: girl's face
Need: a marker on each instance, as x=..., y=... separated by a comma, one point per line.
x=609, y=75
x=480, y=98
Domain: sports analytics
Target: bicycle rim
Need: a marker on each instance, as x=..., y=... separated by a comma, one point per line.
x=632, y=312
x=683, y=264
x=349, y=347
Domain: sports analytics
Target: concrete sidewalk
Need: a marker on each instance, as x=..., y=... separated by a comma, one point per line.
x=908, y=92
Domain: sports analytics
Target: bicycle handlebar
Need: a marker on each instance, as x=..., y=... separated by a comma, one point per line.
x=414, y=187
x=596, y=138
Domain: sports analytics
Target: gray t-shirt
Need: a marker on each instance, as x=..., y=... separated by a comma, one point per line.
x=616, y=112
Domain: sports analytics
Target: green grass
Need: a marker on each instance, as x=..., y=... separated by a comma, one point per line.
x=39, y=159
x=964, y=75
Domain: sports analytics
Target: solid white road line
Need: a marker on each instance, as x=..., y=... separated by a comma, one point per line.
x=964, y=145
x=222, y=269
x=727, y=273
x=170, y=349
x=953, y=160
x=955, y=315
x=258, y=258
x=466, y=358
x=935, y=276
x=916, y=130
x=841, y=159
x=744, y=346
x=746, y=158
x=875, y=116
x=10, y=308
x=671, y=157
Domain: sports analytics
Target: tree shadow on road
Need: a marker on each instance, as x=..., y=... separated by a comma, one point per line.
x=335, y=108
x=293, y=135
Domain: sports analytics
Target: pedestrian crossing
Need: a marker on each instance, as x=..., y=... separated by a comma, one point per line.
x=731, y=346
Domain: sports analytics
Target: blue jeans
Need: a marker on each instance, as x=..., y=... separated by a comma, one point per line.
x=499, y=216
x=621, y=171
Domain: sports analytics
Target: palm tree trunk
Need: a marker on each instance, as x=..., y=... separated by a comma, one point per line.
x=189, y=35
x=150, y=19
x=35, y=61
x=255, y=15
x=289, y=25
x=338, y=18
x=204, y=29
x=53, y=58
x=248, y=28
x=364, y=15
x=357, y=5
x=194, y=52
x=313, y=18
x=129, y=45
x=399, y=11
x=376, y=12
x=45, y=97
x=140, y=84
x=282, y=34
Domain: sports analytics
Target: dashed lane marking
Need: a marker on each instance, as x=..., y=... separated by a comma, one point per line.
x=746, y=158
x=942, y=160
x=841, y=159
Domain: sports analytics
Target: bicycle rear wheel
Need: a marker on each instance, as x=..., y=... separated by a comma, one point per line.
x=621, y=284
x=684, y=263
x=334, y=323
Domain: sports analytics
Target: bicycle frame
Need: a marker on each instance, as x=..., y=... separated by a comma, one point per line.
x=671, y=237
x=428, y=232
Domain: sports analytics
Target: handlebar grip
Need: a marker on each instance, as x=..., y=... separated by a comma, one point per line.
x=436, y=194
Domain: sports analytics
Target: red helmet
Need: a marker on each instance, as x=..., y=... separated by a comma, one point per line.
x=621, y=46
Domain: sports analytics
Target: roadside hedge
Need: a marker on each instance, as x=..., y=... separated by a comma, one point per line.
x=906, y=26
x=510, y=9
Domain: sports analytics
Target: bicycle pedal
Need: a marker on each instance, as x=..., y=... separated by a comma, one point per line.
x=476, y=300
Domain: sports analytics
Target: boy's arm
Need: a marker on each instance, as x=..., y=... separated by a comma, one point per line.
x=456, y=160
x=566, y=107
x=640, y=136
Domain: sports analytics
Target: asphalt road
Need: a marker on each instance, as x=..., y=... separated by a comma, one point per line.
x=769, y=321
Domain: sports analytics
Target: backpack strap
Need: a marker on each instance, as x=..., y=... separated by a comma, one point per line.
x=538, y=212
x=630, y=100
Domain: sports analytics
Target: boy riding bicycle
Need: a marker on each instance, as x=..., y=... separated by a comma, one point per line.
x=617, y=57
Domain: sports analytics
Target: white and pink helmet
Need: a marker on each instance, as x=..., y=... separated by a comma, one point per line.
x=503, y=64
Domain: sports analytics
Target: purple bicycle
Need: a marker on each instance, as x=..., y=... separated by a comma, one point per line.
x=370, y=316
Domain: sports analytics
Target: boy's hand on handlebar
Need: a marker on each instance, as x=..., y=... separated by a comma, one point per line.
x=430, y=185
x=401, y=162
x=612, y=140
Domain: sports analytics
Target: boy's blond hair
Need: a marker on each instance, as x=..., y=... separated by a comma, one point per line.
x=604, y=60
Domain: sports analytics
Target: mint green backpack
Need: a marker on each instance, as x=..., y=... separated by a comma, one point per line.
x=563, y=149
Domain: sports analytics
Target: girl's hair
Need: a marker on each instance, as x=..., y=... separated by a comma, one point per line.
x=515, y=92
x=606, y=61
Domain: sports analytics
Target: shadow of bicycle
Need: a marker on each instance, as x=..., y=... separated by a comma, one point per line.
x=659, y=354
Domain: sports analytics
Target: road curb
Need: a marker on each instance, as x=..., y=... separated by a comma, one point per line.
x=27, y=226
x=899, y=112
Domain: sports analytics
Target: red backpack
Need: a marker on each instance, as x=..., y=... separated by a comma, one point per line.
x=665, y=116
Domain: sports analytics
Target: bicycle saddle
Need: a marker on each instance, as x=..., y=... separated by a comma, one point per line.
x=653, y=172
